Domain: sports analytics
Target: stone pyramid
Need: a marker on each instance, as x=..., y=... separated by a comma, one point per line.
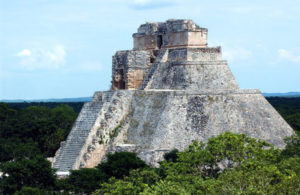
x=169, y=90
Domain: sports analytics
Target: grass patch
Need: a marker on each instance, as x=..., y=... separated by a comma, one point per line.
x=114, y=133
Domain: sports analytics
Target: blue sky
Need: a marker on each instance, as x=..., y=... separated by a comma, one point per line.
x=63, y=48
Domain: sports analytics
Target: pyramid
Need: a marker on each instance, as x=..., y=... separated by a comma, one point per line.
x=169, y=90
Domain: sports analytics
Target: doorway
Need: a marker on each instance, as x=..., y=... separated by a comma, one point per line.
x=159, y=41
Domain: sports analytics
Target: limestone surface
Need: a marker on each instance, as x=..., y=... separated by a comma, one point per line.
x=169, y=90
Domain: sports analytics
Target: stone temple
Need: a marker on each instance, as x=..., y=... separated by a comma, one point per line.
x=169, y=90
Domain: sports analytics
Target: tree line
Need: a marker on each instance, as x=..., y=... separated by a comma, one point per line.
x=227, y=164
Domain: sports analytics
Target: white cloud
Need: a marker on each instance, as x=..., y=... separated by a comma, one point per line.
x=57, y=55
x=37, y=58
x=287, y=55
x=234, y=54
x=24, y=52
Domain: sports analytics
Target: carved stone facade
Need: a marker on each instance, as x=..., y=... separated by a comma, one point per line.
x=131, y=66
x=169, y=90
x=170, y=34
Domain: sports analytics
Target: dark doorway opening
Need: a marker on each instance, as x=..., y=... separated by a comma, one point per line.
x=122, y=82
x=159, y=41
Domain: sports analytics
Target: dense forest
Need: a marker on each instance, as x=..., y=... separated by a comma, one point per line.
x=289, y=108
x=75, y=105
x=227, y=164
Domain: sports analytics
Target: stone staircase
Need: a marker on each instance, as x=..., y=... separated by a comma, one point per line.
x=70, y=149
x=106, y=129
x=160, y=56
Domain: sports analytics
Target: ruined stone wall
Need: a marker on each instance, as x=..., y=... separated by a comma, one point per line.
x=152, y=122
x=185, y=39
x=160, y=121
x=195, y=54
x=135, y=78
x=193, y=69
x=197, y=39
x=145, y=42
x=129, y=68
x=173, y=33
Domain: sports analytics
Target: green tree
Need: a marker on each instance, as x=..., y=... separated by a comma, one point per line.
x=200, y=167
x=83, y=181
x=36, y=172
x=171, y=156
x=167, y=188
x=292, y=147
x=119, y=164
x=137, y=181
x=32, y=191
x=294, y=121
x=33, y=130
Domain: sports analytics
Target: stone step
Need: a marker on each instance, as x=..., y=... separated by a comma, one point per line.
x=79, y=133
x=153, y=68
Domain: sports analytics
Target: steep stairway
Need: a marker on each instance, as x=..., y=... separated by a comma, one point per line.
x=161, y=55
x=70, y=150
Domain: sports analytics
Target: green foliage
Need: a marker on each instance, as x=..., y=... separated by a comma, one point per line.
x=22, y=105
x=101, y=141
x=119, y=164
x=168, y=188
x=292, y=147
x=225, y=151
x=137, y=181
x=14, y=149
x=171, y=156
x=294, y=121
x=83, y=180
x=289, y=108
x=115, y=131
x=32, y=191
x=27, y=136
x=229, y=164
x=114, y=186
x=234, y=149
x=36, y=173
x=33, y=131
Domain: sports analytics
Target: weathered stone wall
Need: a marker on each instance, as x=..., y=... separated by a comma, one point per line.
x=185, y=39
x=128, y=68
x=153, y=122
x=197, y=39
x=145, y=42
x=195, y=54
x=189, y=75
x=173, y=33
x=135, y=78
x=160, y=121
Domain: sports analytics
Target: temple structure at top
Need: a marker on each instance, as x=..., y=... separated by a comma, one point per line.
x=170, y=34
x=131, y=67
